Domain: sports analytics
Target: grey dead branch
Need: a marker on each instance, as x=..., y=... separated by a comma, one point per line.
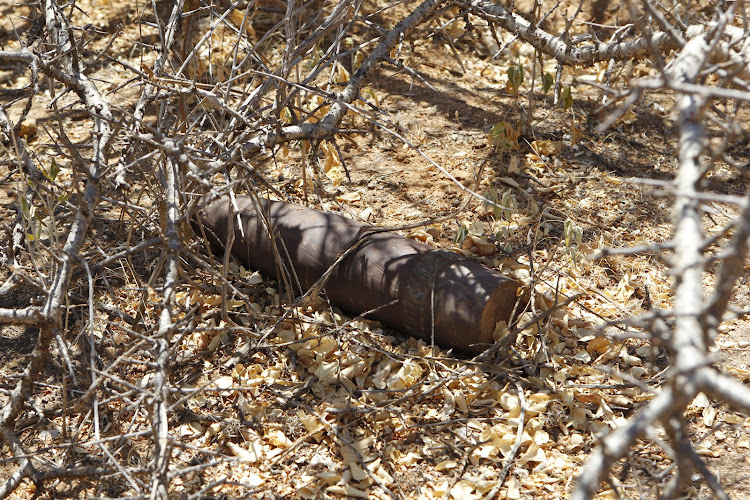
x=142, y=411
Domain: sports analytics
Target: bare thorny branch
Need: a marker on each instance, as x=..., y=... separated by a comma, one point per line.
x=50, y=313
x=167, y=162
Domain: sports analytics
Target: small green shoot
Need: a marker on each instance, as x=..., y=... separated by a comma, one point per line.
x=515, y=79
x=547, y=82
x=501, y=136
x=505, y=204
x=494, y=198
x=461, y=235
x=508, y=201
x=503, y=211
x=573, y=239
x=54, y=169
x=567, y=97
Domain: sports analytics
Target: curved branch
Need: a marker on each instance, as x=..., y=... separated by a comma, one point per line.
x=327, y=126
x=617, y=443
x=556, y=47
x=68, y=71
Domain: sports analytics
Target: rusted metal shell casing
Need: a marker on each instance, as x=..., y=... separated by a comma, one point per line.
x=440, y=293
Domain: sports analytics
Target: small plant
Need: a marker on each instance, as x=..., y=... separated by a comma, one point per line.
x=567, y=98
x=461, y=234
x=494, y=198
x=573, y=238
x=515, y=79
x=547, y=82
x=505, y=206
x=54, y=169
x=503, y=136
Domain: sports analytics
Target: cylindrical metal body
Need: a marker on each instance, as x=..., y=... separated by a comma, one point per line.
x=437, y=292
